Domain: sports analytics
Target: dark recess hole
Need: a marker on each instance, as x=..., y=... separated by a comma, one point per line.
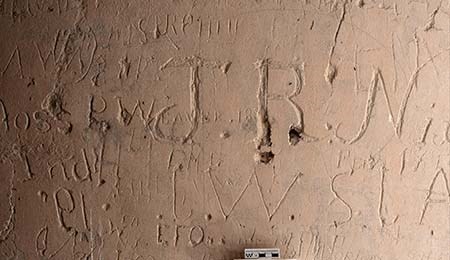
x=295, y=135
x=265, y=157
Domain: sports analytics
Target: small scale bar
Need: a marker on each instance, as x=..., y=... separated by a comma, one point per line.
x=262, y=253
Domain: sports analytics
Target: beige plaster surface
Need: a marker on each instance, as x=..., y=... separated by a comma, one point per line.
x=192, y=129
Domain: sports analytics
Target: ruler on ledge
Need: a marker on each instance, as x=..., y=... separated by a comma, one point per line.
x=262, y=253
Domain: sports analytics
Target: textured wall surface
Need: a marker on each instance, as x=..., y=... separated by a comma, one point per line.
x=192, y=129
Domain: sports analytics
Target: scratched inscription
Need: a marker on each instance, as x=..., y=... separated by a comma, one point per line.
x=192, y=129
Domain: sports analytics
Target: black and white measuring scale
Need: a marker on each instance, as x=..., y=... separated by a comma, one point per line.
x=262, y=253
